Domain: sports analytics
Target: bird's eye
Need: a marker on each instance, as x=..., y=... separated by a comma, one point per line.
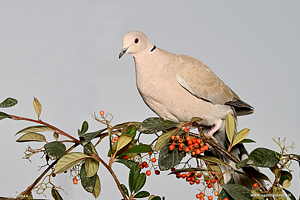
x=136, y=40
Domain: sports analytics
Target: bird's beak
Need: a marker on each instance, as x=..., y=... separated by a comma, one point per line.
x=124, y=50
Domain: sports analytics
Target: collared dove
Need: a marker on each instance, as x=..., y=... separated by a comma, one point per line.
x=179, y=87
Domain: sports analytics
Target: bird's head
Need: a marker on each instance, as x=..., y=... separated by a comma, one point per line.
x=135, y=42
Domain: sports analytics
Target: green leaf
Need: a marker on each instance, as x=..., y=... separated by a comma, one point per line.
x=29, y=137
x=155, y=198
x=168, y=159
x=84, y=127
x=125, y=189
x=140, y=182
x=128, y=124
x=131, y=131
x=9, y=102
x=289, y=194
x=260, y=157
x=213, y=160
x=240, y=136
x=285, y=175
x=91, y=166
x=237, y=191
x=230, y=127
x=68, y=161
x=124, y=139
x=97, y=188
x=278, y=194
x=55, y=194
x=223, y=194
x=142, y=194
x=156, y=124
x=128, y=163
x=88, y=183
x=142, y=148
x=133, y=175
x=4, y=115
x=37, y=107
x=55, y=150
x=87, y=137
x=35, y=129
x=163, y=139
x=247, y=141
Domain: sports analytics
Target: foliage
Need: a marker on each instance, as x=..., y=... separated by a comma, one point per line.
x=176, y=145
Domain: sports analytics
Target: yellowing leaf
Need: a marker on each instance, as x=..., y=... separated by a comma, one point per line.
x=35, y=129
x=213, y=160
x=91, y=166
x=240, y=136
x=230, y=127
x=37, y=106
x=32, y=137
x=97, y=188
x=68, y=161
x=123, y=141
x=286, y=184
x=163, y=139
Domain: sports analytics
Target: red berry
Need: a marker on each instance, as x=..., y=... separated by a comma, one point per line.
x=199, y=140
x=116, y=138
x=75, y=181
x=187, y=149
x=201, y=194
x=173, y=169
x=157, y=172
x=199, y=175
x=148, y=173
x=198, y=196
x=188, y=178
x=171, y=147
x=53, y=174
x=181, y=145
x=177, y=137
x=209, y=185
x=101, y=112
x=198, y=151
x=186, y=129
x=255, y=185
x=201, y=198
x=178, y=175
x=225, y=198
x=173, y=137
x=194, y=140
x=192, y=182
x=188, y=138
x=180, y=140
x=141, y=166
x=205, y=148
x=197, y=181
x=210, y=197
x=153, y=160
x=183, y=175
x=190, y=142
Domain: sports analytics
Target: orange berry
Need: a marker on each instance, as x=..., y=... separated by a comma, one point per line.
x=210, y=197
x=255, y=185
x=201, y=194
x=198, y=196
x=181, y=145
x=173, y=137
x=188, y=138
x=213, y=180
x=194, y=140
x=193, y=153
x=201, y=144
x=216, y=193
x=112, y=141
x=153, y=160
x=225, y=198
x=180, y=140
x=116, y=138
x=171, y=147
x=102, y=112
x=187, y=149
x=198, y=151
x=196, y=145
x=148, y=173
x=201, y=149
x=199, y=140
x=205, y=148
x=201, y=198
x=180, y=148
x=75, y=181
x=177, y=137
x=186, y=129
x=190, y=142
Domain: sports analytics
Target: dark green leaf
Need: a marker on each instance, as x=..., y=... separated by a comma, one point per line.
x=163, y=139
x=88, y=149
x=260, y=157
x=9, y=102
x=247, y=141
x=237, y=191
x=128, y=124
x=55, y=150
x=29, y=137
x=87, y=137
x=88, y=183
x=133, y=175
x=168, y=159
x=128, y=163
x=142, y=148
x=285, y=175
x=140, y=182
x=289, y=194
x=55, y=194
x=187, y=170
x=84, y=127
x=131, y=131
x=4, y=115
x=142, y=194
x=155, y=124
x=125, y=189
x=223, y=194
x=156, y=198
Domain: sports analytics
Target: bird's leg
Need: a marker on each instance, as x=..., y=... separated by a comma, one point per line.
x=214, y=129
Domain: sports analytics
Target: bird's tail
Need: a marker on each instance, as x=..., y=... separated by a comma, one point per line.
x=238, y=151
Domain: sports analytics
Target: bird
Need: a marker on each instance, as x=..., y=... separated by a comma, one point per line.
x=180, y=87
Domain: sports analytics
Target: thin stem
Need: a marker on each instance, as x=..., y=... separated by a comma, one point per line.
x=46, y=124
x=113, y=175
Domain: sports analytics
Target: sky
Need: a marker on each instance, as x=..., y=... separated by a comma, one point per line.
x=65, y=53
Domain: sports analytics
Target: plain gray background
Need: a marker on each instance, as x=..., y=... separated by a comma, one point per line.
x=65, y=53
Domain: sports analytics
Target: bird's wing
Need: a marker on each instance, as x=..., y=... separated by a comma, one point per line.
x=199, y=80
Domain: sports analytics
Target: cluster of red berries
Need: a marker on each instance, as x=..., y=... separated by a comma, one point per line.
x=189, y=145
x=191, y=177
x=201, y=196
x=146, y=165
